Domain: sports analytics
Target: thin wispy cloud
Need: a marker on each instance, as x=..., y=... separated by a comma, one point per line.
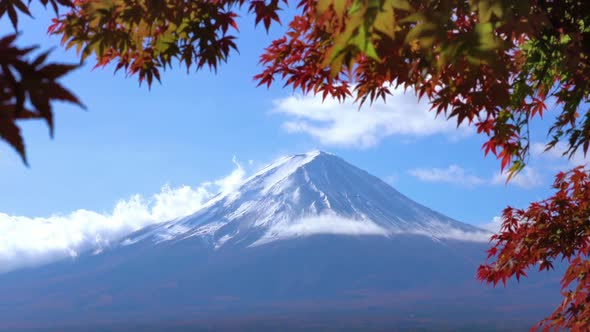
x=494, y=225
x=557, y=154
x=454, y=174
x=345, y=125
x=29, y=241
x=232, y=181
x=329, y=223
x=527, y=178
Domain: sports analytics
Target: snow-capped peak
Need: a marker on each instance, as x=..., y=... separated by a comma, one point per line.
x=281, y=169
x=306, y=194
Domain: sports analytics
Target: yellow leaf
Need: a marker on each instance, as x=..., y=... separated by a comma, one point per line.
x=322, y=6
x=385, y=21
x=486, y=39
x=487, y=8
x=340, y=8
x=336, y=65
x=425, y=33
x=401, y=4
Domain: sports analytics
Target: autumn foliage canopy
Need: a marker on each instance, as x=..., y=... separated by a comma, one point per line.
x=495, y=64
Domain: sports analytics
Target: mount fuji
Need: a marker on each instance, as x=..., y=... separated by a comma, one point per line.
x=308, y=194
x=310, y=242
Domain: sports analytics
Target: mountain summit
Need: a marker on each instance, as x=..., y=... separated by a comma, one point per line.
x=308, y=194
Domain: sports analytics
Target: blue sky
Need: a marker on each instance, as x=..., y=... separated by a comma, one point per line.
x=187, y=130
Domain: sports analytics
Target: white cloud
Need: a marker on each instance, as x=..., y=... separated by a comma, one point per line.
x=26, y=241
x=494, y=225
x=452, y=174
x=392, y=178
x=457, y=234
x=343, y=124
x=172, y=203
x=324, y=224
x=330, y=223
x=233, y=180
x=555, y=154
x=527, y=178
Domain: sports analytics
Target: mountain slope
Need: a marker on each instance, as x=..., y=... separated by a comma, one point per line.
x=404, y=280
